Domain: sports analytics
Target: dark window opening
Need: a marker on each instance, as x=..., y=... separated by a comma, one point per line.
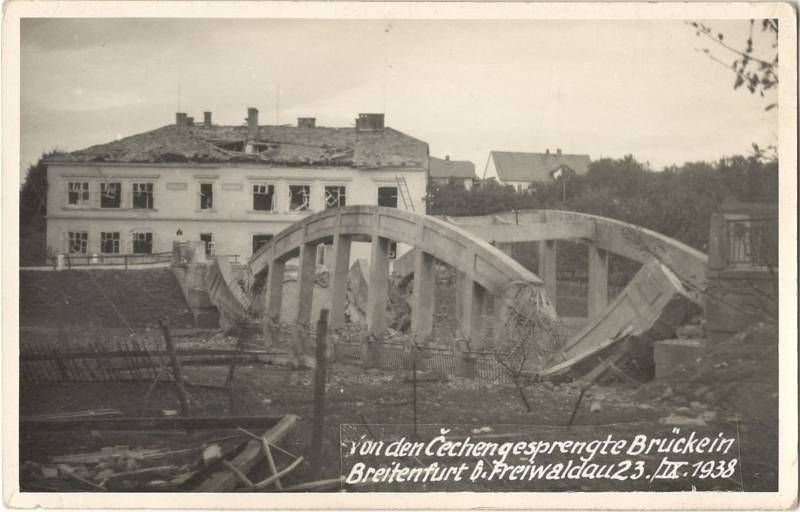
x=143, y=196
x=392, y=250
x=78, y=192
x=109, y=242
x=263, y=197
x=299, y=198
x=78, y=242
x=143, y=243
x=335, y=196
x=387, y=196
x=206, y=196
x=208, y=240
x=110, y=195
x=259, y=240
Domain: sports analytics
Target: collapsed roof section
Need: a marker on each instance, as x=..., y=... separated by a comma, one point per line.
x=362, y=146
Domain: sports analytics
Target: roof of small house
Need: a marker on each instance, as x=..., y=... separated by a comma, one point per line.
x=520, y=166
x=439, y=168
x=283, y=145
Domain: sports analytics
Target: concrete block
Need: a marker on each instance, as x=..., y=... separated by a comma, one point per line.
x=669, y=354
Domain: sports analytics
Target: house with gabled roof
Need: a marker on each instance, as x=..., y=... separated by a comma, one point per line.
x=444, y=171
x=233, y=187
x=522, y=169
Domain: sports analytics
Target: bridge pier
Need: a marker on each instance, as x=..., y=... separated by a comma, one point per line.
x=598, y=281
x=547, y=267
x=272, y=301
x=423, y=300
x=306, y=275
x=339, y=272
x=378, y=286
x=473, y=307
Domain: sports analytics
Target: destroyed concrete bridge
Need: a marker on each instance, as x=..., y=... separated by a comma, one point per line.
x=473, y=246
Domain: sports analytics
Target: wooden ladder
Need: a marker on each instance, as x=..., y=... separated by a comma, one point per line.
x=405, y=195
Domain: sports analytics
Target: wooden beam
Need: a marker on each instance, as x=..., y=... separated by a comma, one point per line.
x=225, y=480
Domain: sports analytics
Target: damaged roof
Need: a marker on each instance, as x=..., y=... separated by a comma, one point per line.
x=520, y=166
x=283, y=145
x=439, y=168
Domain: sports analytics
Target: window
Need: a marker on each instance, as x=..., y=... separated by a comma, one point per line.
x=387, y=196
x=143, y=196
x=143, y=243
x=78, y=242
x=208, y=239
x=299, y=197
x=109, y=242
x=78, y=192
x=335, y=196
x=392, y=250
x=206, y=196
x=263, y=198
x=259, y=240
x=110, y=195
x=323, y=252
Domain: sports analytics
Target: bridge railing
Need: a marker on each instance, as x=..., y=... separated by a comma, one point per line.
x=743, y=241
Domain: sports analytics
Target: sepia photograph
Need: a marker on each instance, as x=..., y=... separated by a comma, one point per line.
x=395, y=250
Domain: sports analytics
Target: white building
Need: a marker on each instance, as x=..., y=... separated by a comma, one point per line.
x=521, y=169
x=448, y=171
x=231, y=186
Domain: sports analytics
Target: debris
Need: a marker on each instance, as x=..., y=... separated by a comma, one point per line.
x=211, y=453
x=595, y=407
x=697, y=406
x=169, y=412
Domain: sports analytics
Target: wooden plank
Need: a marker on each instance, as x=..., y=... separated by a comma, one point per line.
x=151, y=423
x=225, y=480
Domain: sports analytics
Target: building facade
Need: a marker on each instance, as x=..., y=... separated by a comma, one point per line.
x=446, y=171
x=522, y=169
x=232, y=187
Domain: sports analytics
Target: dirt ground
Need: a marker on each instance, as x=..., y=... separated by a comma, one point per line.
x=742, y=399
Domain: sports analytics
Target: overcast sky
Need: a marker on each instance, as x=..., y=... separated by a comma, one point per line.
x=604, y=88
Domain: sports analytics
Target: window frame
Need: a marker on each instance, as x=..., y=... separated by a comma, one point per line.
x=151, y=193
x=83, y=193
x=396, y=195
x=206, y=201
x=104, y=185
x=302, y=208
x=254, y=193
x=116, y=242
x=147, y=235
x=83, y=240
x=342, y=195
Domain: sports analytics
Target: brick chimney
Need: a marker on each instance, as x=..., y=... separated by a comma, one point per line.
x=190, y=121
x=558, y=151
x=180, y=120
x=547, y=151
x=252, y=123
x=369, y=123
x=306, y=122
x=447, y=158
x=207, y=118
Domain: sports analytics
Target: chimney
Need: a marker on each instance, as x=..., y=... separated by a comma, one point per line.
x=306, y=122
x=558, y=151
x=189, y=121
x=547, y=151
x=180, y=120
x=447, y=158
x=369, y=123
x=207, y=118
x=252, y=123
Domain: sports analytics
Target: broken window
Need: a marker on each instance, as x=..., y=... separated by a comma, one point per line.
x=142, y=243
x=299, y=198
x=143, y=196
x=387, y=196
x=263, y=197
x=78, y=192
x=206, y=196
x=78, y=242
x=335, y=196
x=259, y=240
x=110, y=195
x=109, y=242
x=208, y=240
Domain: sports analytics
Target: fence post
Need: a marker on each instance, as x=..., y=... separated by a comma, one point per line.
x=176, y=370
x=319, y=396
x=125, y=259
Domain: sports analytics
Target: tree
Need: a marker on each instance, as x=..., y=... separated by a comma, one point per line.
x=758, y=72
